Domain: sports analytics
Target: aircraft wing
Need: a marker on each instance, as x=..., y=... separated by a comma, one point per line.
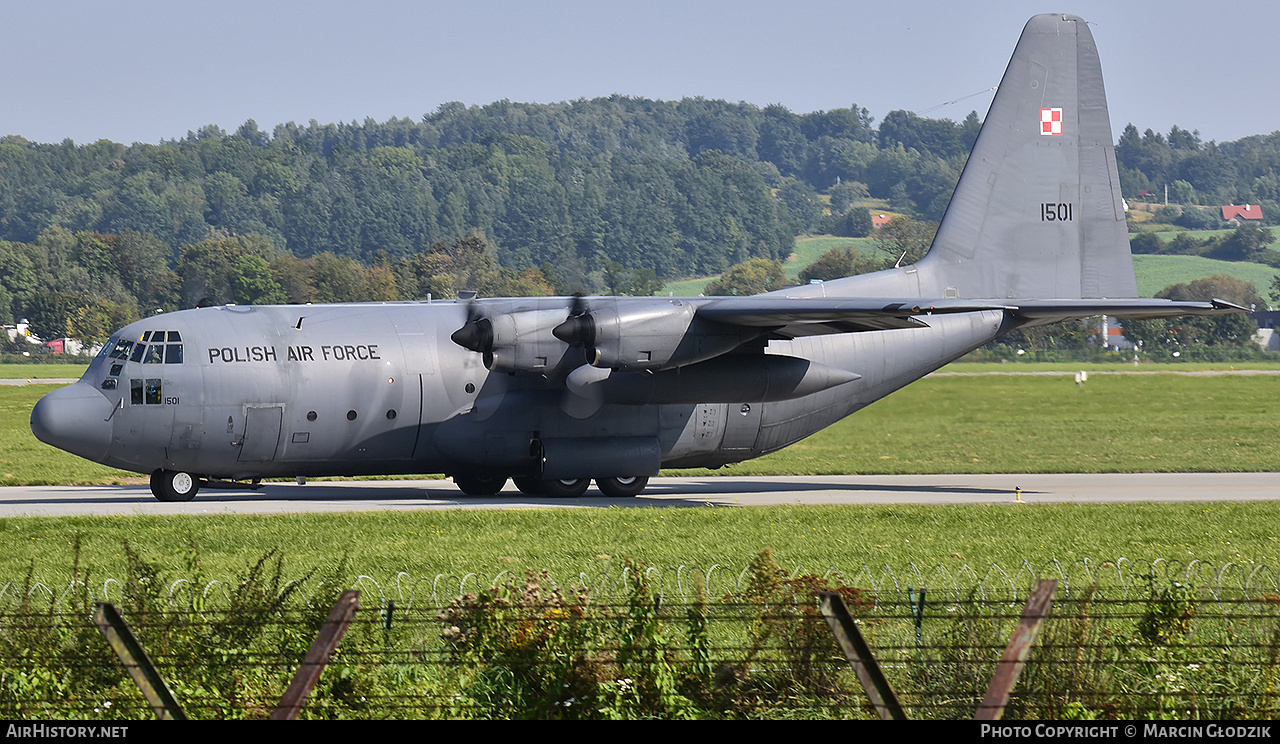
x=812, y=316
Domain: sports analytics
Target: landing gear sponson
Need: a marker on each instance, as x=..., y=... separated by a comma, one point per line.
x=179, y=486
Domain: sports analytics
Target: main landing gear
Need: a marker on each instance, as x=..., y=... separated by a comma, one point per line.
x=174, y=485
x=569, y=488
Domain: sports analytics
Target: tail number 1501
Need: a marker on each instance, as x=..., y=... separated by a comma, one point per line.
x=1056, y=212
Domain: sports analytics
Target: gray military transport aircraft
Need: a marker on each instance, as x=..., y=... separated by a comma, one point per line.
x=555, y=392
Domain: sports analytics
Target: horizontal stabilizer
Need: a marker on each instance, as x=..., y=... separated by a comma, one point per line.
x=1140, y=309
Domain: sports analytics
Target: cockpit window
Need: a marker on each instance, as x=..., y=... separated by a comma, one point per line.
x=121, y=349
x=150, y=348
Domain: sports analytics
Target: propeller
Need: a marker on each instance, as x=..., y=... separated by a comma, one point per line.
x=477, y=333
x=579, y=329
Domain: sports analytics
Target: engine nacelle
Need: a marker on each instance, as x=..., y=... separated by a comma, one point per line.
x=650, y=335
x=518, y=341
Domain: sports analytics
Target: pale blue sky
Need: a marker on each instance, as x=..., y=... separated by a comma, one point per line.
x=139, y=70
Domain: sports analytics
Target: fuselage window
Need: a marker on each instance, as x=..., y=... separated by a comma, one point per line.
x=138, y=351
x=155, y=354
x=149, y=392
x=173, y=352
x=115, y=369
x=175, y=337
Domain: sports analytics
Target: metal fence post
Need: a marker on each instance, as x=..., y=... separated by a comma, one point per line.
x=137, y=663
x=1015, y=654
x=859, y=655
x=335, y=626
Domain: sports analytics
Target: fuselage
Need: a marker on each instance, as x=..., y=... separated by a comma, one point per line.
x=240, y=392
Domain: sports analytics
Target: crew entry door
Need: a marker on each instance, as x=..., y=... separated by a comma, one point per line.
x=261, y=434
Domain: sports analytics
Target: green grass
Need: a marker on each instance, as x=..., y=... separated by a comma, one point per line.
x=41, y=371
x=1020, y=424
x=1119, y=365
x=568, y=542
x=1157, y=272
x=809, y=248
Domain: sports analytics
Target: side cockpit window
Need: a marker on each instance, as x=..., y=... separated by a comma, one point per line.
x=122, y=349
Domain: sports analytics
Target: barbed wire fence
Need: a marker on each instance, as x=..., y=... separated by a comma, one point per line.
x=1125, y=639
x=1120, y=578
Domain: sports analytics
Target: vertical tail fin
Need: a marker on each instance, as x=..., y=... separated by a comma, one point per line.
x=1037, y=212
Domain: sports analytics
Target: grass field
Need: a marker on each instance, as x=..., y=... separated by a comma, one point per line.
x=569, y=542
x=1157, y=272
x=41, y=371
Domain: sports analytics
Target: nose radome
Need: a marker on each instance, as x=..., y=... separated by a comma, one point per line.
x=74, y=418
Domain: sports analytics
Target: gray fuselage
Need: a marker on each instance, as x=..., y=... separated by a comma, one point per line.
x=380, y=389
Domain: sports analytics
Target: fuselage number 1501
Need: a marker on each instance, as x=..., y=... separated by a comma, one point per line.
x=1056, y=212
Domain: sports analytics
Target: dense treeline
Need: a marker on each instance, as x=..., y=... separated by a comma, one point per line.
x=609, y=195
x=1246, y=171
x=679, y=188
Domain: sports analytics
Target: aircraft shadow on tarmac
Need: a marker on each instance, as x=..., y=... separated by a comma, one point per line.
x=698, y=492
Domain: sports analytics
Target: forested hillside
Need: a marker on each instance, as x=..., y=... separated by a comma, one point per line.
x=603, y=195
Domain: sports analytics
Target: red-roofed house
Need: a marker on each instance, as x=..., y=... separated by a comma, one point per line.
x=1236, y=213
x=880, y=220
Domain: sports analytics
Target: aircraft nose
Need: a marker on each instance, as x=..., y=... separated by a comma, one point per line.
x=73, y=418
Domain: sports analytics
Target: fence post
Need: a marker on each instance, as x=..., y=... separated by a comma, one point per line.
x=1015, y=654
x=137, y=663
x=859, y=655
x=335, y=626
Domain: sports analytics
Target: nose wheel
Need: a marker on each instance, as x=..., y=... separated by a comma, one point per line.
x=174, y=485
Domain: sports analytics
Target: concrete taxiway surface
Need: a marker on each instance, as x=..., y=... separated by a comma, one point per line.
x=335, y=496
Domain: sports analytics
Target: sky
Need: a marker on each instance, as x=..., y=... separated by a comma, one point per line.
x=143, y=71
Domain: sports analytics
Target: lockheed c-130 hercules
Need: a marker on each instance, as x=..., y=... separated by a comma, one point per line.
x=556, y=392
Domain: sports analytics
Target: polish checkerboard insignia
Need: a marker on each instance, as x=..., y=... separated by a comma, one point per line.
x=1050, y=121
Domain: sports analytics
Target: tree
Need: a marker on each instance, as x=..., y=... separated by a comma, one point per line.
x=1232, y=330
x=802, y=205
x=905, y=240
x=1246, y=243
x=621, y=280
x=845, y=193
x=841, y=262
x=251, y=282
x=855, y=223
x=751, y=277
